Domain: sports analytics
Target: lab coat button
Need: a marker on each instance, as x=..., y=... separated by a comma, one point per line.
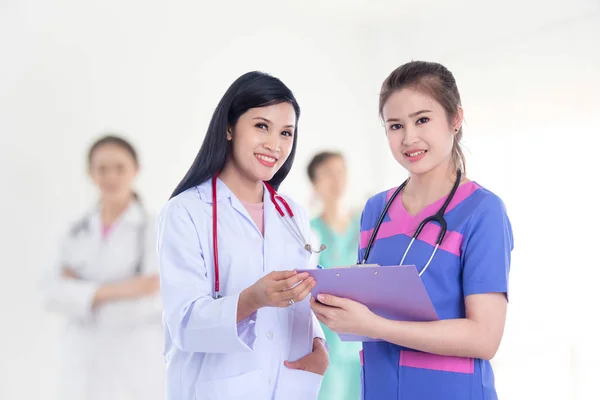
x=270, y=335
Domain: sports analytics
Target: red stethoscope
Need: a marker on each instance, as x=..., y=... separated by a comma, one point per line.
x=290, y=222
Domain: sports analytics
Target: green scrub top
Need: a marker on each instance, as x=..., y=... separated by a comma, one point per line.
x=342, y=379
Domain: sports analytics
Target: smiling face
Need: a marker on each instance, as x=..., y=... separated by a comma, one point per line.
x=419, y=133
x=262, y=140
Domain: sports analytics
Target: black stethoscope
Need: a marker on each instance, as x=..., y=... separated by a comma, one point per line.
x=290, y=223
x=437, y=217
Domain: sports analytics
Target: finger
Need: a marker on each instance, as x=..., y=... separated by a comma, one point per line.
x=293, y=294
x=300, y=364
x=332, y=301
x=317, y=307
x=307, y=286
x=299, y=288
x=291, y=281
x=322, y=318
x=282, y=275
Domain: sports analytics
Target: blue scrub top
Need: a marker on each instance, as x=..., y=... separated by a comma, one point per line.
x=473, y=258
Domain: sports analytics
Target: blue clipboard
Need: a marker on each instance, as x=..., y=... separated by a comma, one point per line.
x=392, y=292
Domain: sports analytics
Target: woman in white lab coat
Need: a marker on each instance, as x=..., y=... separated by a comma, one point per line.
x=237, y=319
x=106, y=285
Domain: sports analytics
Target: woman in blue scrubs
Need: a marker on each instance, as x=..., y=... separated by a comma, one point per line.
x=467, y=278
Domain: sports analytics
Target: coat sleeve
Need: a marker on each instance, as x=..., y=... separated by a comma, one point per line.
x=195, y=321
x=72, y=297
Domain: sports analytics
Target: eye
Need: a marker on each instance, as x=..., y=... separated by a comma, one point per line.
x=287, y=133
x=395, y=127
x=262, y=125
x=422, y=120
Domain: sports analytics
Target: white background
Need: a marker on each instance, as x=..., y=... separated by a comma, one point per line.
x=529, y=75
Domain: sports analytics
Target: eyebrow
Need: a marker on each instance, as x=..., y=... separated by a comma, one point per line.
x=266, y=120
x=410, y=115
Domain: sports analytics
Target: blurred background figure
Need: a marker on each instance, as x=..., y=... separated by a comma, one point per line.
x=338, y=228
x=106, y=285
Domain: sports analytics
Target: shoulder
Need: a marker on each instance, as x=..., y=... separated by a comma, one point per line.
x=186, y=205
x=78, y=227
x=81, y=224
x=375, y=205
x=377, y=201
x=483, y=201
x=296, y=207
x=488, y=214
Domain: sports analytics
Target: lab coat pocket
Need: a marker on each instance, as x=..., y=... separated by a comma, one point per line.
x=251, y=385
x=301, y=331
x=295, y=384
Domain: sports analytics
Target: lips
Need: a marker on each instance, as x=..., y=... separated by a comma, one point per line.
x=266, y=160
x=415, y=154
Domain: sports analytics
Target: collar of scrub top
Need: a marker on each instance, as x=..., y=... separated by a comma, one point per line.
x=218, y=191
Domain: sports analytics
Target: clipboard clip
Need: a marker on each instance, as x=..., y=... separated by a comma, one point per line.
x=358, y=266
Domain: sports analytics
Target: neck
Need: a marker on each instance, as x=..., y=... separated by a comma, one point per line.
x=112, y=209
x=334, y=216
x=331, y=211
x=245, y=189
x=424, y=189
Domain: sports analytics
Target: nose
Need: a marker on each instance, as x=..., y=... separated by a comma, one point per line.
x=272, y=143
x=410, y=136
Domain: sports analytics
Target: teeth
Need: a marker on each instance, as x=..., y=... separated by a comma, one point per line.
x=266, y=158
x=418, y=153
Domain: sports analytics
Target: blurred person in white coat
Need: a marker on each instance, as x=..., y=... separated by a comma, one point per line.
x=106, y=284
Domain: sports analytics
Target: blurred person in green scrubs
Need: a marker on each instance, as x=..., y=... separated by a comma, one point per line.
x=340, y=230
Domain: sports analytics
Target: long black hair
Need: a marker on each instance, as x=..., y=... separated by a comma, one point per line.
x=251, y=90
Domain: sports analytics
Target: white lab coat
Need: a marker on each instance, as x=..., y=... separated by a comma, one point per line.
x=209, y=356
x=113, y=352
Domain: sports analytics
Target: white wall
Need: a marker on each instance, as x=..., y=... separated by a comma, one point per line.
x=155, y=72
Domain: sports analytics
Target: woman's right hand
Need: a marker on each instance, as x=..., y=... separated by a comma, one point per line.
x=277, y=288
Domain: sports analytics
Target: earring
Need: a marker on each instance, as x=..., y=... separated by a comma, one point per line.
x=455, y=129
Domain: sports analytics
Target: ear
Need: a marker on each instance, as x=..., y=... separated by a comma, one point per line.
x=458, y=120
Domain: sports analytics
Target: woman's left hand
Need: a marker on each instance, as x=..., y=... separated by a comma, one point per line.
x=343, y=316
x=315, y=362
